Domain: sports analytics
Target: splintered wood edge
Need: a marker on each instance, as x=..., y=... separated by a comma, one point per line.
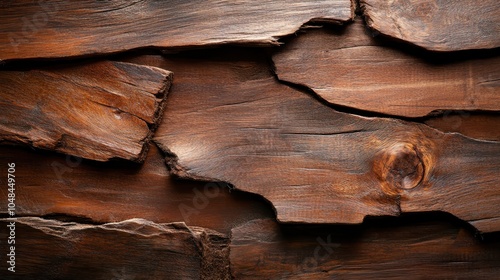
x=103, y=151
x=161, y=97
x=210, y=246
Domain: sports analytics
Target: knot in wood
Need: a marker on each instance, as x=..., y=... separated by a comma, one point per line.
x=398, y=168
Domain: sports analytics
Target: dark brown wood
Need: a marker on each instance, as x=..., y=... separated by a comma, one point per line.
x=314, y=164
x=98, y=111
x=57, y=185
x=351, y=68
x=475, y=125
x=131, y=249
x=53, y=28
x=437, y=250
x=445, y=25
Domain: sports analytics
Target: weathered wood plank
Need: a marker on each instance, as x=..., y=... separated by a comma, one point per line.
x=262, y=250
x=98, y=111
x=53, y=184
x=53, y=28
x=351, y=68
x=314, y=164
x=446, y=25
x=132, y=249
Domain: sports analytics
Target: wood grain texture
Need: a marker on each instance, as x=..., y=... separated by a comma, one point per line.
x=131, y=249
x=98, y=111
x=351, y=68
x=51, y=184
x=477, y=125
x=314, y=164
x=53, y=28
x=437, y=250
x=445, y=25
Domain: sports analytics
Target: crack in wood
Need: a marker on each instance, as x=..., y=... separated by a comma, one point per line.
x=309, y=176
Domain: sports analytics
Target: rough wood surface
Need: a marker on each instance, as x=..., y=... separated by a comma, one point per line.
x=34, y=29
x=351, y=68
x=431, y=250
x=98, y=111
x=131, y=249
x=314, y=164
x=51, y=184
x=445, y=25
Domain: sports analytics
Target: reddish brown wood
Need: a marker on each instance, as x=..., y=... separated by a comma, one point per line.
x=132, y=249
x=475, y=125
x=314, y=164
x=98, y=111
x=445, y=25
x=33, y=29
x=262, y=250
x=52, y=184
x=353, y=69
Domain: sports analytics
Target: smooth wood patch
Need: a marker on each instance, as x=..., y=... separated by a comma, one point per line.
x=351, y=68
x=262, y=250
x=445, y=25
x=98, y=111
x=53, y=184
x=131, y=249
x=44, y=29
x=475, y=125
x=237, y=124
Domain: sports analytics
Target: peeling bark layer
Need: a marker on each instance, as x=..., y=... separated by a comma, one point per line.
x=31, y=29
x=314, y=164
x=262, y=250
x=351, y=68
x=131, y=249
x=55, y=185
x=445, y=25
x=98, y=111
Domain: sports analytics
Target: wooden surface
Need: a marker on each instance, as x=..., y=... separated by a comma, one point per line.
x=288, y=176
x=445, y=25
x=99, y=111
x=263, y=137
x=131, y=249
x=351, y=68
x=31, y=29
x=436, y=249
x=476, y=125
x=57, y=185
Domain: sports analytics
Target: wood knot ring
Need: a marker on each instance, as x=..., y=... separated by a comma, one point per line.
x=398, y=168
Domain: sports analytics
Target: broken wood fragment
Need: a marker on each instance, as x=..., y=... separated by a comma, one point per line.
x=98, y=111
x=447, y=25
x=131, y=249
x=315, y=164
x=261, y=249
x=351, y=68
x=31, y=29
